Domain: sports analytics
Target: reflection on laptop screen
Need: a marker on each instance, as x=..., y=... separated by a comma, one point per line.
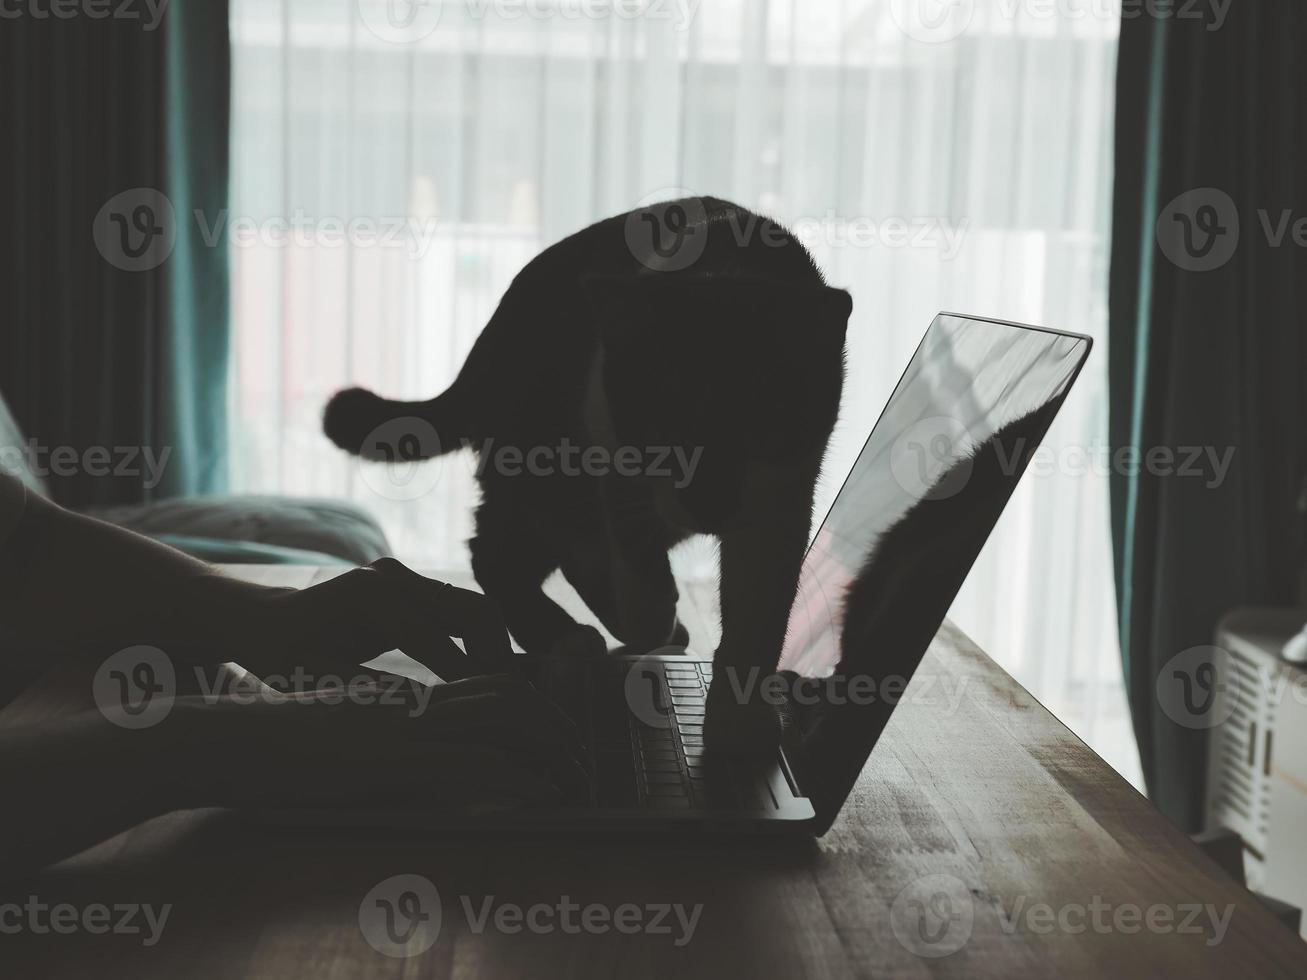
x=920, y=501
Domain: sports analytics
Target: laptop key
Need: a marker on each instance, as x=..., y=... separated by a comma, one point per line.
x=652, y=765
x=673, y=778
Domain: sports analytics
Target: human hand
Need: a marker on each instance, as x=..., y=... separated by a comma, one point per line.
x=331, y=628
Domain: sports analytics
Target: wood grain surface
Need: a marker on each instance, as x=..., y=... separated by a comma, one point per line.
x=983, y=840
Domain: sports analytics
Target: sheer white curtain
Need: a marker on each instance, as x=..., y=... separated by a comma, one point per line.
x=388, y=184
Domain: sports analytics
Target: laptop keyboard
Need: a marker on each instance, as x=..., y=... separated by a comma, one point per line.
x=669, y=757
x=638, y=765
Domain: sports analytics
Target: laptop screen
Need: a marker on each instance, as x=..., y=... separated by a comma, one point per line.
x=908, y=523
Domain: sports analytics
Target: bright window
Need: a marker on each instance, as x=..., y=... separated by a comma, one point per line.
x=959, y=161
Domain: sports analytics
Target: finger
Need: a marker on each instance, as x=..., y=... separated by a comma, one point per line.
x=424, y=638
x=480, y=684
x=468, y=615
x=418, y=698
x=296, y=680
x=426, y=643
x=425, y=606
x=474, y=619
x=410, y=697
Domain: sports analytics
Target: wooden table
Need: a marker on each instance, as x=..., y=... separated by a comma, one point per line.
x=986, y=831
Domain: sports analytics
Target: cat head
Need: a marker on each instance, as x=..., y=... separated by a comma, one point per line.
x=722, y=372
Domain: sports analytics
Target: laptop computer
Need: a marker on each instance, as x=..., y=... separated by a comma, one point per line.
x=879, y=576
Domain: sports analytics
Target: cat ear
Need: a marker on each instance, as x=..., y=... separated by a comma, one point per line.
x=790, y=304
x=805, y=313
x=836, y=306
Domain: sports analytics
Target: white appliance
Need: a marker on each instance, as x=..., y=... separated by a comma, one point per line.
x=1257, y=758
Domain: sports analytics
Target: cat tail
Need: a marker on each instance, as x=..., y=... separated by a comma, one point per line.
x=377, y=428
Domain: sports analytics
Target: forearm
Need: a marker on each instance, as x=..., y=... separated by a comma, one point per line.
x=73, y=782
x=75, y=583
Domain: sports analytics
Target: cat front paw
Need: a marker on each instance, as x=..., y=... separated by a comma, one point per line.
x=580, y=641
x=680, y=635
x=739, y=724
x=649, y=641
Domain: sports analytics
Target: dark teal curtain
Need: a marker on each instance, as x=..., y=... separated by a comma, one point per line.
x=102, y=348
x=1207, y=348
x=195, y=346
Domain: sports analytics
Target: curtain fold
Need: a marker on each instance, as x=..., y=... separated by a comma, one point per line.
x=1207, y=351
x=115, y=328
x=196, y=340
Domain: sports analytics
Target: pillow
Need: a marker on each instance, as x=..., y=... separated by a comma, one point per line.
x=328, y=527
x=219, y=552
x=13, y=453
